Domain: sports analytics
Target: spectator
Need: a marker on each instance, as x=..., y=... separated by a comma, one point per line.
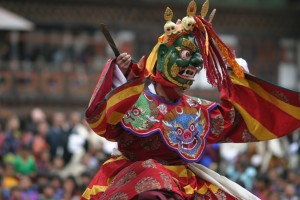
x=243, y=173
x=274, y=195
x=56, y=183
x=57, y=137
x=44, y=162
x=90, y=162
x=84, y=180
x=9, y=179
x=77, y=146
x=293, y=178
x=77, y=142
x=290, y=192
x=15, y=193
x=41, y=179
x=260, y=187
x=98, y=146
x=57, y=166
x=12, y=140
x=211, y=156
x=279, y=178
x=28, y=189
x=74, y=168
x=70, y=189
x=294, y=150
x=24, y=162
x=37, y=115
x=39, y=142
x=47, y=192
x=1, y=179
x=2, y=137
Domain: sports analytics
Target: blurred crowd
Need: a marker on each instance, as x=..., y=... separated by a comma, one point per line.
x=54, y=157
x=48, y=157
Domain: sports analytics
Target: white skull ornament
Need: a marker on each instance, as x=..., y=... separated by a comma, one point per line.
x=170, y=27
x=188, y=23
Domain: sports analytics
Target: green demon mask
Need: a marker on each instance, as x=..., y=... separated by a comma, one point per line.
x=180, y=62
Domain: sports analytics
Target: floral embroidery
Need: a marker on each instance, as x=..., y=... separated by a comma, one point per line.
x=248, y=137
x=280, y=96
x=199, y=197
x=146, y=184
x=119, y=196
x=232, y=115
x=126, y=178
x=217, y=125
x=149, y=164
x=207, y=195
x=166, y=181
x=221, y=195
x=102, y=196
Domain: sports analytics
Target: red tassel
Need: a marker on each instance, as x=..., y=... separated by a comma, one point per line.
x=216, y=68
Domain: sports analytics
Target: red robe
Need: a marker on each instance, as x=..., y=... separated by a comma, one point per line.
x=158, y=139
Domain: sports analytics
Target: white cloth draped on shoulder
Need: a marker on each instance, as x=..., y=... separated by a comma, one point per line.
x=222, y=182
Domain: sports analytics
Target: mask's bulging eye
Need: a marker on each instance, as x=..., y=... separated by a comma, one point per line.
x=136, y=111
x=185, y=54
x=192, y=127
x=179, y=131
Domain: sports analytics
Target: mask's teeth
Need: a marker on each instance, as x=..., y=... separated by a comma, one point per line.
x=189, y=72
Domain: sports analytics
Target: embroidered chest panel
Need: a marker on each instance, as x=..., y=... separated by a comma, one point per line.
x=183, y=126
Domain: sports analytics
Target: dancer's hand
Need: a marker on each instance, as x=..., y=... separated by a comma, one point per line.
x=123, y=61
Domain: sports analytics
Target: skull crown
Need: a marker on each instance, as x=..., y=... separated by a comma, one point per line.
x=186, y=24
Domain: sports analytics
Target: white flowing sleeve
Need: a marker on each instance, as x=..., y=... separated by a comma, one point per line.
x=118, y=77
